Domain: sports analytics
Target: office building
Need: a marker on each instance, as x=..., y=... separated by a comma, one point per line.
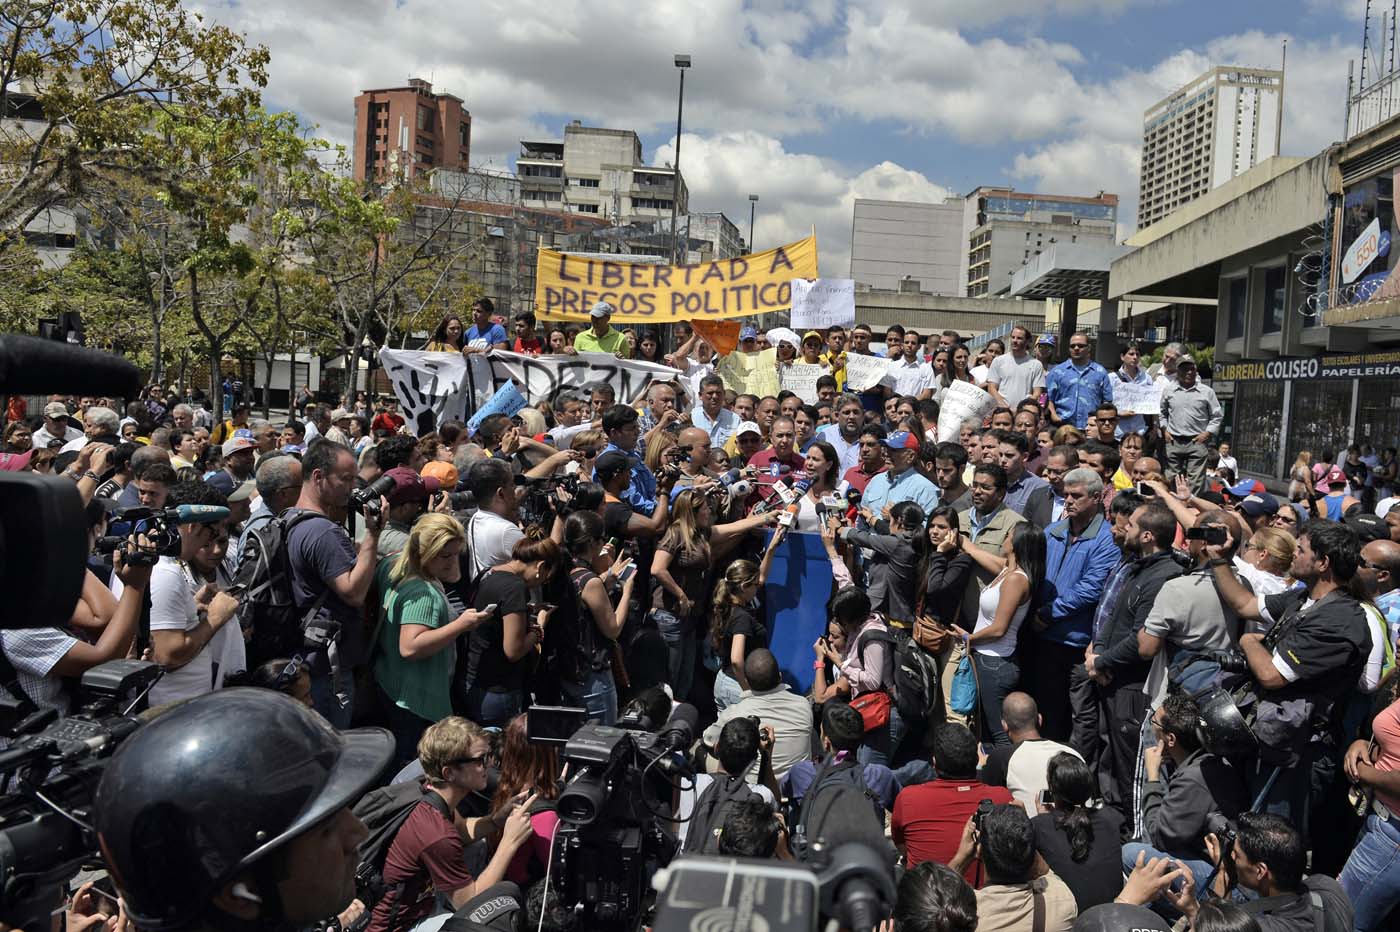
x=402, y=132
x=1007, y=229
x=894, y=241
x=599, y=172
x=1217, y=127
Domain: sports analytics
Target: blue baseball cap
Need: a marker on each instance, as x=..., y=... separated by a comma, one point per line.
x=902, y=440
x=1046, y=339
x=748, y=333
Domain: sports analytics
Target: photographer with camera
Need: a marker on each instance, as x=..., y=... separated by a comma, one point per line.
x=189, y=617
x=330, y=576
x=1021, y=892
x=1305, y=665
x=1265, y=855
x=703, y=809
x=408, y=501
x=1177, y=803
x=41, y=664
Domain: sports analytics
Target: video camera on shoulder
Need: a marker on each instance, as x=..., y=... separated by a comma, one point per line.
x=160, y=527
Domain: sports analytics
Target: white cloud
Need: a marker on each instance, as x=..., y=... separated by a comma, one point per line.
x=798, y=193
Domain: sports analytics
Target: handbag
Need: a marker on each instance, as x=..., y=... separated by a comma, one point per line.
x=930, y=634
x=962, y=696
x=874, y=708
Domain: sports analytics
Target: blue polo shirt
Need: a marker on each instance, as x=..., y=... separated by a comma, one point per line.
x=909, y=486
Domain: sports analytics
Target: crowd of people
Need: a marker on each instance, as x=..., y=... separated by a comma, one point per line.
x=1152, y=690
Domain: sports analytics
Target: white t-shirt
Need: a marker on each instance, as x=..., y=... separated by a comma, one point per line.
x=173, y=589
x=491, y=539
x=1025, y=771
x=1016, y=380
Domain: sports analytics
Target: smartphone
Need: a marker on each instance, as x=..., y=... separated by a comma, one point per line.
x=627, y=573
x=1145, y=490
x=1211, y=534
x=1044, y=799
x=491, y=609
x=108, y=901
x=553, y=724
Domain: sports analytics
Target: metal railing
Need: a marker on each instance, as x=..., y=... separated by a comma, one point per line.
x=1374, y=105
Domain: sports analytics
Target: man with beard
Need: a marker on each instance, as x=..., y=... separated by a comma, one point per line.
x=844, y=435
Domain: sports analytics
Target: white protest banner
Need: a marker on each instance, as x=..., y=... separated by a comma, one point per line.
x=801, y=377
x=826, y=302
x=962, y=401
x=437, y=387
x=507, y=401
x=865, y=372
x=1136, y=397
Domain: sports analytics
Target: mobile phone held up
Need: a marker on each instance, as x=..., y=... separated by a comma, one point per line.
x=1213, y=534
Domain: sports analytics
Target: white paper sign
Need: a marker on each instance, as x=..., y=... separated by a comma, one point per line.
x=962, y=401
x=1137, y=398
x=826, y=302
x=865, y=372
x=437, y=387
x=801, y=377
x=1359, y=255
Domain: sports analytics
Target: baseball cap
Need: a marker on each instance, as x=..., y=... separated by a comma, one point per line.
x=1259, y=504
x=1046, y=339
x=1384, y=505
x=409, y=486
x=902, y=440
x=55, y=409
x=1118, y=917
x=1185, y=359
x=340, y=413
x=1334, y=474
x=1247, y=487
x=444, y=473
x=243, y=491
x=748, y=427
x=14, y=462
x=812, y=335
x=1368, y=528
x=748, y=333
x=220, y=480
x=241, y=440
x=601, y=309
x=610, y=464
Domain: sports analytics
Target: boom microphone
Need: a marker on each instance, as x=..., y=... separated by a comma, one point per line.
x=31, y=366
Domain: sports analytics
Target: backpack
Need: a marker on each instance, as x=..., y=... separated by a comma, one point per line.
x=711, y=809
x=384, y=811
x=915, y=690
x=573, y=645
x=836, y=784
x=263, y=586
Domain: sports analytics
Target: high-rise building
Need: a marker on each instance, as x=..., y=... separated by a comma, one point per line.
x=1008, y=228
x=402, y=132
x=1218, y=126
x=598, y=172
x=894, y=241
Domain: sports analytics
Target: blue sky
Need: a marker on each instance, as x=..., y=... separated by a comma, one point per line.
x=812, y=104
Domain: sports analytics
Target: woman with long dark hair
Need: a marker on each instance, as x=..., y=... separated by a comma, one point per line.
x=528, y=769
x=1077, y=835
x=1001, y=609
x=447, y=336
x=823, y=467
x=582, y=657
x=648, y=347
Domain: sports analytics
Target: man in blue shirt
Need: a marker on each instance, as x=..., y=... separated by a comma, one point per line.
x=710, y=415
x=901, y=482
x=1080, y=553
x=620, y=423
x=1077, y=386
x=485, y=334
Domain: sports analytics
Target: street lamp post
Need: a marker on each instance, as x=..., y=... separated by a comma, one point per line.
x=682, y=63
x=753, y=202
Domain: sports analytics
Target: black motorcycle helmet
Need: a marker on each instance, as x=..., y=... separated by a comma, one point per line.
x=207, y=790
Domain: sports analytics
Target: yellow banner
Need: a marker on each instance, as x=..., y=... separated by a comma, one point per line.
x=567, y=287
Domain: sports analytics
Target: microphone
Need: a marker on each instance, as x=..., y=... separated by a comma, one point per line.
x=731, y=477
x=853, y=859
x=31, y=366
x=198, y=514
x=679, y=732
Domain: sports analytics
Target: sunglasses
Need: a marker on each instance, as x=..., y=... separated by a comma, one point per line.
x=479, y=759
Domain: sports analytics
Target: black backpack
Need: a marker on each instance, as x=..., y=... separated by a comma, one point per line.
x=835, y=784
x=711, y=809
x=916, y=673
x=384, y=811
x=263, y=586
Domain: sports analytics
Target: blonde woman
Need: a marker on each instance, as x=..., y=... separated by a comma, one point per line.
x=415, y=653
x=1300, y=477
x=1265, y=560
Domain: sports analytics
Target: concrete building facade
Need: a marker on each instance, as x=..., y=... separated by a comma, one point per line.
x=892, y=241
x=1197, y=138
x=911, y=307
x=1007, y=229
x=403, y=132
x=599, y=172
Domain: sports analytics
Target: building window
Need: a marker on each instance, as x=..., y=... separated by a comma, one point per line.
x=1378, y=412
x=1235, y=300
x=464, y=134
x=425, y=119
x=1258, y=423
x=586, y=208
x=1321, y=417
x=1275, y=294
